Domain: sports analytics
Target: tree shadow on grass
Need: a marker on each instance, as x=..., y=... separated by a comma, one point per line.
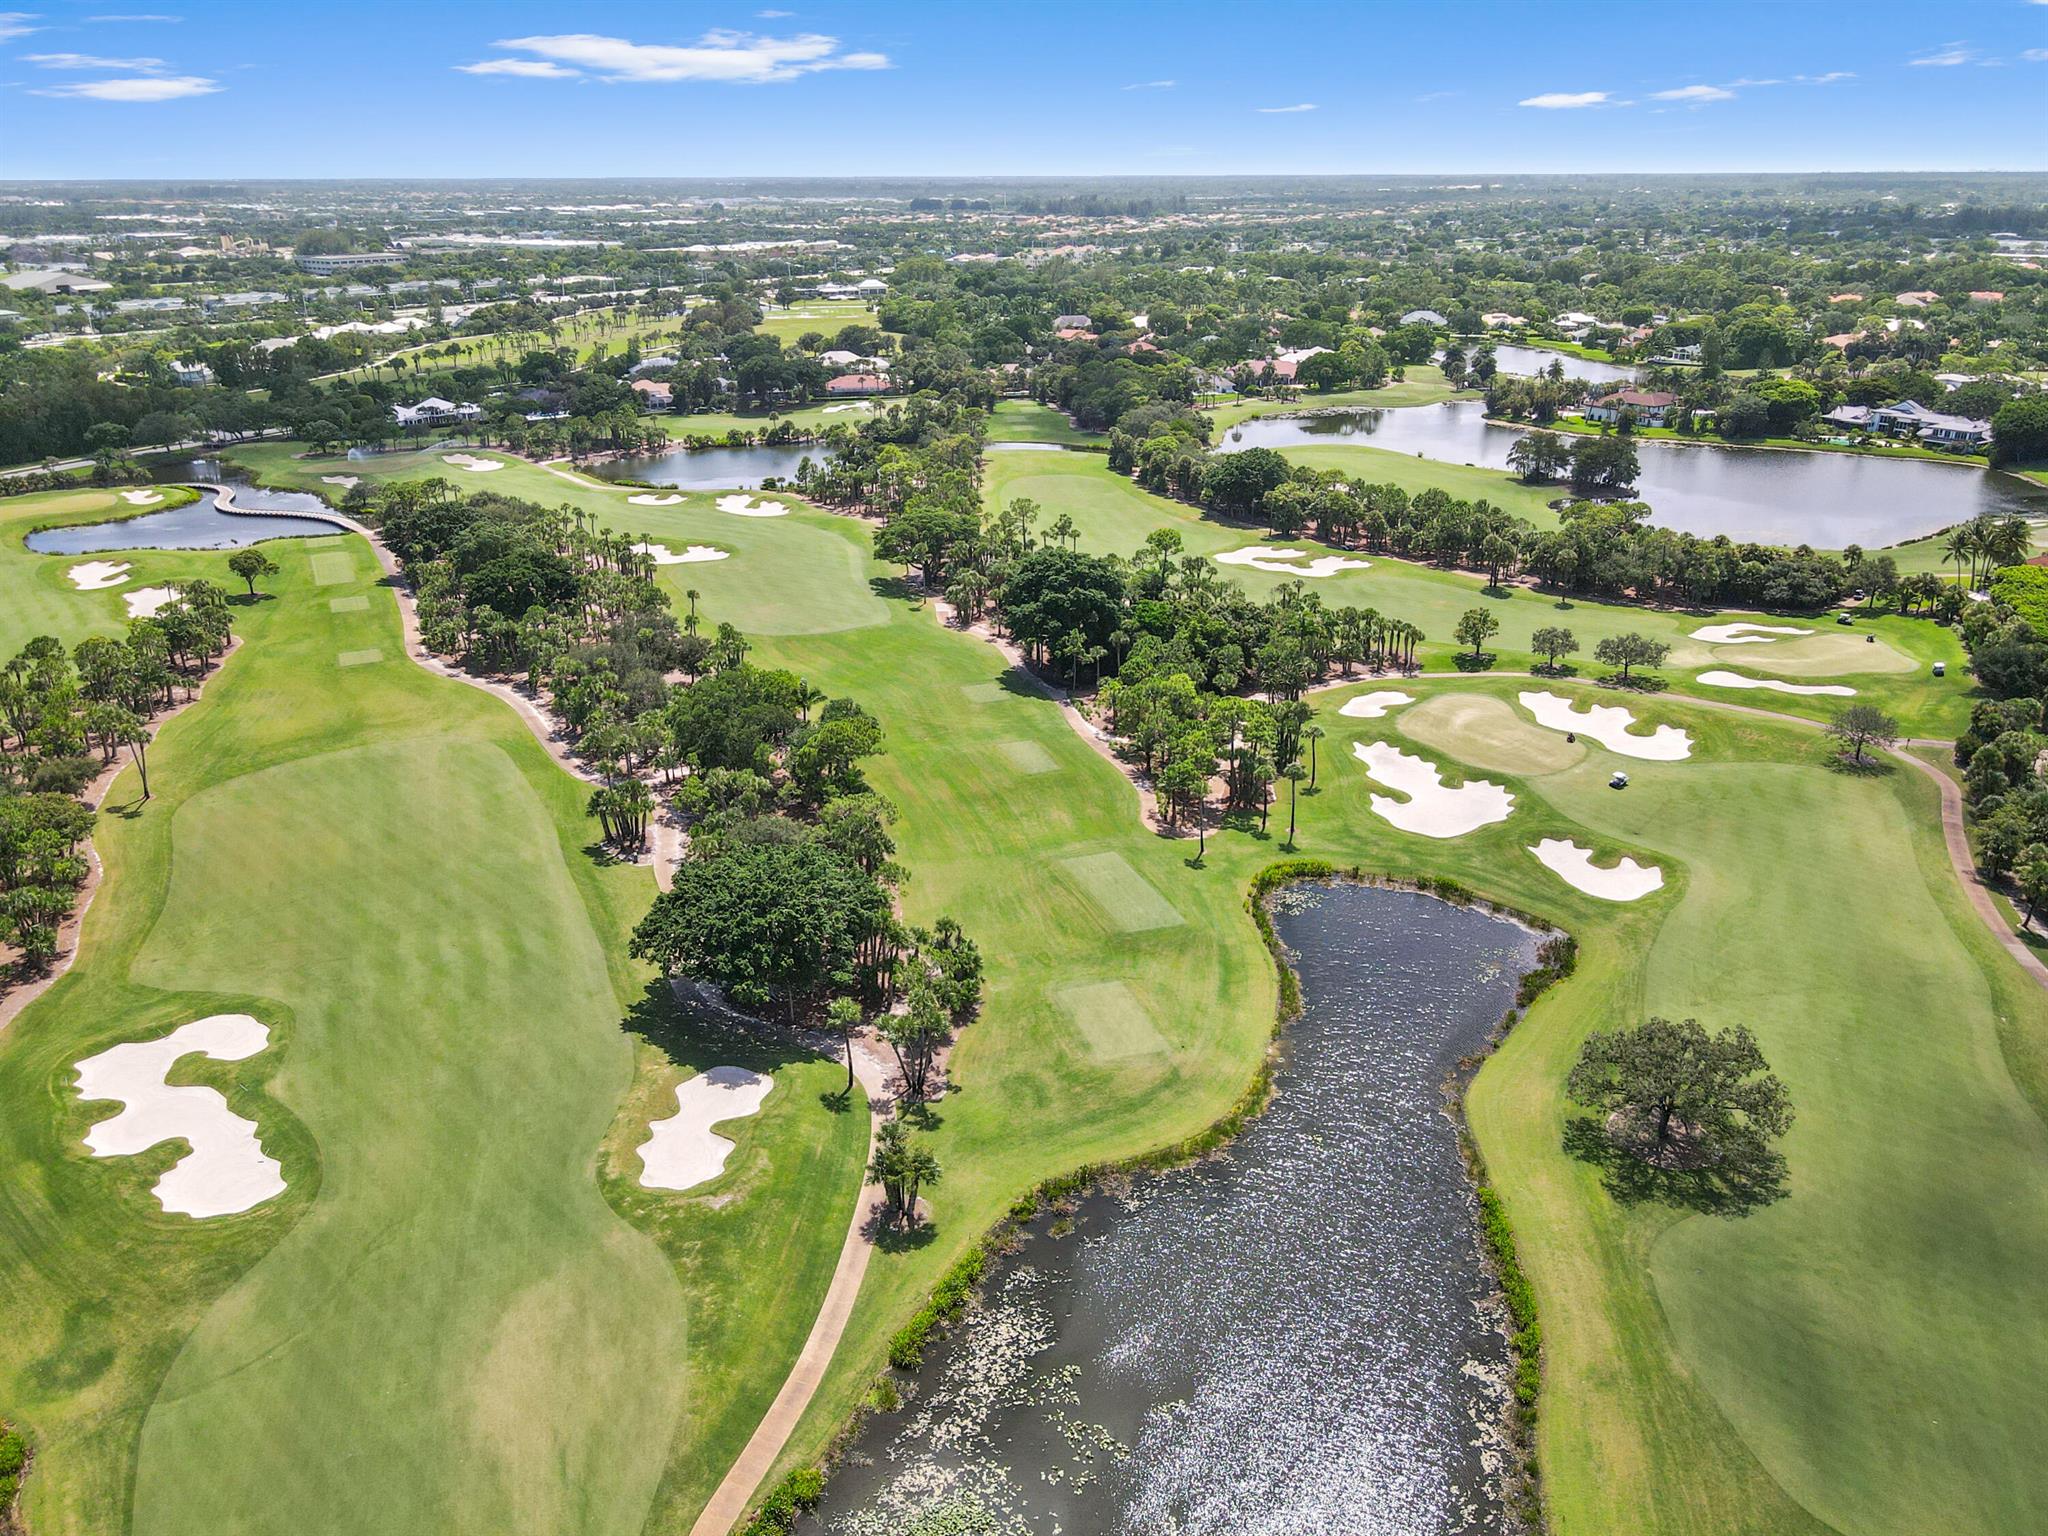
x=244, y=600
x=1640, y=682
x=1732, y=1188
x=1465, y=661
x=895, y=587
x=696, y=1035
x=890, y=1238
x=1867, y=768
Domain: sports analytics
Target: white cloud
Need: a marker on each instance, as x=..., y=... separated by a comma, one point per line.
x=784, y=15
x=146, y=16
x=2036, y=55
x=1300, y=106
x=16, y=24
x=1947, y=56
x=1153, y=85
x=719, y=57
x=92, y=61
x=1835, y=75
x=532, y=69
x=1696, y=94
x=1565, y=101
x=137, y=88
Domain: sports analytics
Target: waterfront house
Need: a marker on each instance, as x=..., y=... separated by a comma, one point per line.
x=1650, y=407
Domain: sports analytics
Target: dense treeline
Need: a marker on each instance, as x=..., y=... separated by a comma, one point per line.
x=64, y=717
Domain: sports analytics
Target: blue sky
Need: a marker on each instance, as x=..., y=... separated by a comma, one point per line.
x=150, y=88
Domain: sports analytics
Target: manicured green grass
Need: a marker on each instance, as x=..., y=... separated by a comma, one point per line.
x=1026, y=421
x=1785, y=879
x=801, y=574
x=718, y=423
x=1877, y=448
x=38, y=598
x=826, y=316
x=1114, y=517
x=441, y=1325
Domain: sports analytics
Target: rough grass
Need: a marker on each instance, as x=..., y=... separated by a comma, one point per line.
x=442, y=1325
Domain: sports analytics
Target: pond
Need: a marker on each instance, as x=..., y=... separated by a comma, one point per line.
x=716, y=469
x=1298, y=1337
x=1767, y=495
x=197, y=525
x=1529, y=361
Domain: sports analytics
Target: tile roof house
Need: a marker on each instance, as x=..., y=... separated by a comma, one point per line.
x=1845, y=298
x=1987, y=296
x=1919, y=298
x=1071, y=323
x=654, y=394
x=857, y=384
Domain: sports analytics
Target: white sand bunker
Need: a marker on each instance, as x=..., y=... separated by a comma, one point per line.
x=142, y=498
x=681, y=1151
x=226, y=1170
x=346, y=482
x=649, y=499
x=1433, y=808
x=834, y=410
x=1737, y=680
x=1609, y=725
x=94, y=575
x=1627, y=881
x=1745, y=634
x=746, y=506
x=1286, y=562
x=472, y=463
x=1371, y=706
x=148, y=602
x=695, y=554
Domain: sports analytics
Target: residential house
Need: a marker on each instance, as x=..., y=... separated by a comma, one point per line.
x=1075, y=333
x=435, y=412
x=1072, y=323
x=192, y=375
x=1845, y=298
x=1919, y=298
x=1650, y=407
x=857, y=384
x=1987, y=296
x=1500, y=320
x=1909, y=418
x=648, y=365
x=1849, y=418
x=839, y=357
x=654, y=394
x=1423, y=317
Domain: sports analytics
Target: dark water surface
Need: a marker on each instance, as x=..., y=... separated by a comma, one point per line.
x=716, y=469
x=1827, y=500
x=196, y=525
x=1530, y=361
x=1297, y=1339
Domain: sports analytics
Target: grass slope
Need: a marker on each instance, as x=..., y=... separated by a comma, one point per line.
x=41, y=600
x=441, y=1325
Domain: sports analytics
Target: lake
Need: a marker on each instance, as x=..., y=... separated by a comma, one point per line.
x=197, y=525
x=1298, y=1338
x=1766, y=495
x=716, y=469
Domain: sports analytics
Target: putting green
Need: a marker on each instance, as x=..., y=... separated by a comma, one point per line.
x=1843, y=653
x=1487, y=733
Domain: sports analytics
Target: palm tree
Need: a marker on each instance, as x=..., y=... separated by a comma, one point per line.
x=1312, y=734
x=1960, y=546
x=1293, y=773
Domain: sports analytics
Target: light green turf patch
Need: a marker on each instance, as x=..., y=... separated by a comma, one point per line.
x=333, y=568
x=1028, y=756
x=358, y=658
x=1112, y=1022
x=359, y=603
x=982, y=693
x=1127, y=902
x=333, y=542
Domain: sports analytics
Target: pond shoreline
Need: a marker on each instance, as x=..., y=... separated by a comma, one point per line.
x=1049, y=1209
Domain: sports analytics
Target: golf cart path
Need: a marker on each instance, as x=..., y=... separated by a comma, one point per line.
x=735, y=1490
x=1954, y=833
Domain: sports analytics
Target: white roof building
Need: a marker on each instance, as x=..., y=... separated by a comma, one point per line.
x=434, y=411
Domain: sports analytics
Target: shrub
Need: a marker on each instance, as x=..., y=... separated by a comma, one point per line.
x=947, y=1301
x=2024, y=589
x=796, y=1495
